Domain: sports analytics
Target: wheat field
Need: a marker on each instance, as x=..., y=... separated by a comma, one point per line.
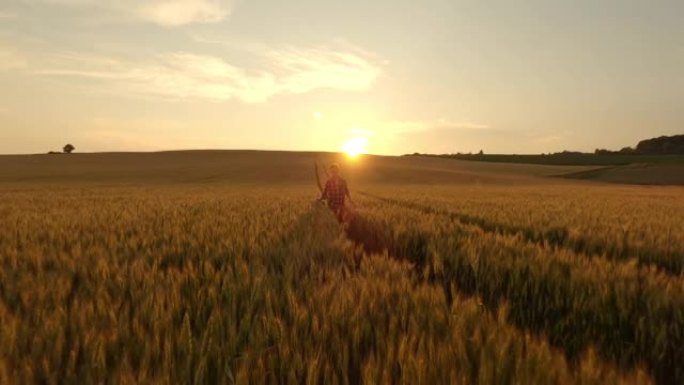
x=533, y=282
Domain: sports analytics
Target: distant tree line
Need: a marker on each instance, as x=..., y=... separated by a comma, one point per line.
x=664, y=145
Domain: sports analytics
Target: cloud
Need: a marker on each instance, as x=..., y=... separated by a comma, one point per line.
x=460, y=125
x=181, y=12
x=10, y=59
x=420, y=126
x=403, y=127
x=186, y=75
x=308, y=69
x=7, y=15
x=408, y=136
x=167, y=13
x=555, y=140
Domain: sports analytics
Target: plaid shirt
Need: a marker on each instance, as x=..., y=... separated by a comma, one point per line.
x=335, y=192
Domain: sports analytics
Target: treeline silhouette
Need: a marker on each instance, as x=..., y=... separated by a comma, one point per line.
x=664, y=145
x=664, y=149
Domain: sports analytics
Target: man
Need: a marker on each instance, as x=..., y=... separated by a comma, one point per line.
x=335, y=192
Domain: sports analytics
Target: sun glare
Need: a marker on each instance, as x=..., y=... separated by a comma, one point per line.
x=355, y=146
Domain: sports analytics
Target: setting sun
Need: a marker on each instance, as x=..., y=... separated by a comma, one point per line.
x=355, y=146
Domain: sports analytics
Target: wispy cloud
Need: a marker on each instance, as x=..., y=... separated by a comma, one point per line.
x=467, y=126
x=188, y=75
x=4, y=15
x=308, y=69
x=418, y=126
x=404, y=126
x=10, y=59
x=163, y=12
x=181, y=12
x=551, y=141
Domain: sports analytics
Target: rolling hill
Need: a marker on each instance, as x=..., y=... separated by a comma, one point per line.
x=218, y=166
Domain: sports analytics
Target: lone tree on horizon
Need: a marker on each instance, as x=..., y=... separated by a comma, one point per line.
x=68, y=149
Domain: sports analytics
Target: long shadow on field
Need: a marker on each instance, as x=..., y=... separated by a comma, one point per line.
x=562, y=325
x=377, y=238
x=409, y=245
x=669, y=262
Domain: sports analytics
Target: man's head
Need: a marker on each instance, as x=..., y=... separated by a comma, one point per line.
x=334, y=169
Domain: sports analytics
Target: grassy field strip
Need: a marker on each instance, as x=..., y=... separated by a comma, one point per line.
x=630, y=314
x=620, y=221
x=572, y=159
x=672, y=262
x=254, y=287
x=383, y=327
x=126, y=288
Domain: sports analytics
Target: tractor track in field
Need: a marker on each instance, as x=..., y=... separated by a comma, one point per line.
x=413, y=246
x=557, y=237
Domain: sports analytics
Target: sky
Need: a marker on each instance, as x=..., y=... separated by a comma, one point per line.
x=377, y=76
